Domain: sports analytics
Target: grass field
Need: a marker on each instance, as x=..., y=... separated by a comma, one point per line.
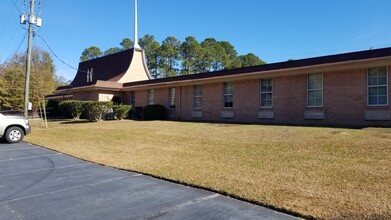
x=327, y=173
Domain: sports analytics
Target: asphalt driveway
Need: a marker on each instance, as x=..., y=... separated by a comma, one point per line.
x=36, y=183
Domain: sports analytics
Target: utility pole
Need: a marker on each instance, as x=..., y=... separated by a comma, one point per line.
x=28, y=65
x=38, y=22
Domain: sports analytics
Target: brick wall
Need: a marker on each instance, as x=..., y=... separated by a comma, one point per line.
x=344, y=100
x=88, y=95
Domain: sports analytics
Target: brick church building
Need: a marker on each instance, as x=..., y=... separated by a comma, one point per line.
x=343, y=89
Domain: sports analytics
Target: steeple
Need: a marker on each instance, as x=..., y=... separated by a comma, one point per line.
x=135, y=27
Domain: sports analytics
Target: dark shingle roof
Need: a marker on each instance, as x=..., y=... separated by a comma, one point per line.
x=106, y=68
x=353, y=56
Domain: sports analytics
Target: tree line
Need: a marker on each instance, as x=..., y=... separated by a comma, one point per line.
x=12, y=80
x=173, y=57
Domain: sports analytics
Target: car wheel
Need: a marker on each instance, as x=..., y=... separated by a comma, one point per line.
x=14, y=135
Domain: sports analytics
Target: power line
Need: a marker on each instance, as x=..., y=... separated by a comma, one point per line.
x=16, y=66
x=16, y=6
x=6, y=24
x=20, y=44
x=54, y=54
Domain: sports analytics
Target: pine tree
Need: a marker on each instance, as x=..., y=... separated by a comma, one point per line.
x=151, y=48
x=191, y=53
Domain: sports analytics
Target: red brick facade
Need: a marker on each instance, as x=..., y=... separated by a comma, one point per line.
x=337, y=86
x=344, y=100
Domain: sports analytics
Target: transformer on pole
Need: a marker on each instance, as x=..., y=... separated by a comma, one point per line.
x=31, y=19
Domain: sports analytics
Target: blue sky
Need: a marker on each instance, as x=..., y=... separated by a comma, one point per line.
x=274, y=30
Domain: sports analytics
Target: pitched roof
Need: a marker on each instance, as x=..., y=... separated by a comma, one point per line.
x=106, y=68
x=353, y=56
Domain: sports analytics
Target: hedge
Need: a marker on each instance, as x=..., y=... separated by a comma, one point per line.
x=121, y=111
x=155, y=112
x=72, y=108
x=95, y=109
x=92, y=110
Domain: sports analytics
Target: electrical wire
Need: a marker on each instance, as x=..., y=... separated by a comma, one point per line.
x=54, y=54
x=17, y=50
x=20, y=44
x=16, y=6
x=11, y=39
x=6, y=24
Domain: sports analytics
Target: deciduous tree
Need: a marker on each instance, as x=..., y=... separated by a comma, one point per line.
x=12, y=84
x=42, y=81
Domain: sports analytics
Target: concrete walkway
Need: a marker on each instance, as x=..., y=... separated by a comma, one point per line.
x=36, y=183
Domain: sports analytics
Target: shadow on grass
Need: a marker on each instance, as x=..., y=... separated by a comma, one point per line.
x=310, y=125
x=232, y=123
x=77, y=122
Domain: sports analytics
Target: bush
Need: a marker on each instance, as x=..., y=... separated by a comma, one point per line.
x=121, y=111
x=52, y=109
x=96, y=109
x=155, y=112
x=72, y=108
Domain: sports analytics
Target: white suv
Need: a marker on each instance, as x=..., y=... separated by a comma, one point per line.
x=13, y=128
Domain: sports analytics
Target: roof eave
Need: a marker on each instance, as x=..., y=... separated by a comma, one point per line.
x=327, y=67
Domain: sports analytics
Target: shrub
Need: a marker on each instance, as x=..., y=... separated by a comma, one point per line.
x=155, y=112
x=72, y=108
x=52, y=109
x=121, y=111
x=96, y=109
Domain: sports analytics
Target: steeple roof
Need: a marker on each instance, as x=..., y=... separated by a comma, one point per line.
x=107, y=68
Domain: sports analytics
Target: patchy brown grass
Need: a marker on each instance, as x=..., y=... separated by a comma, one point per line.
x=325, y=173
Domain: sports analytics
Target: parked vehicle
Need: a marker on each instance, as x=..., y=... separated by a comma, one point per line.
x=13, y=128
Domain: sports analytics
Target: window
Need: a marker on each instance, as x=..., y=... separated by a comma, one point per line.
x=171, y=97
x=89, y=74
x=315, y=90
x=150, y=96
x=197, y=101
x=266, y=93
x=228, y=95
x=132, y=98
x=377, y=86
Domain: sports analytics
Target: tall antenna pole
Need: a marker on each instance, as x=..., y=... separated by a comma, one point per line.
x=135, y=26
x=31, y=20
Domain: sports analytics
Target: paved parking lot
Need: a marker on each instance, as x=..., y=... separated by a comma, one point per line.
x=36, y=183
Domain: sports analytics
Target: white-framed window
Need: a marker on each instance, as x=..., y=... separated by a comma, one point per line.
x=132, y=98
x=197, y=100
x=228, y=95
x=89, y=74
x=266, y=93
x=171, y=97
x=315, y=90
x=151, y=95
x=378, y=86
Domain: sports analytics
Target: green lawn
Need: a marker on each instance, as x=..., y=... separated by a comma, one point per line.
x=315, y=172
